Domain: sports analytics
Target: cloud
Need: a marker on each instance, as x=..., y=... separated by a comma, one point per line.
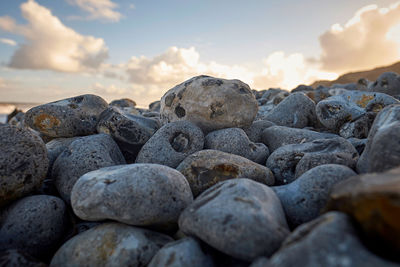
x=369, y=39
x=8, y=41
x=99, y=9
x=49, y=44
x=108, y=90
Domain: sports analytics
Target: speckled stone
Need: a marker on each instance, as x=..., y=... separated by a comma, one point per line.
x=23, y=162
x=239, y=217
x=69, y=117
x=254, y=132
x=135, y=194
x=110, y=244
x=205, y=168
x=210, y=103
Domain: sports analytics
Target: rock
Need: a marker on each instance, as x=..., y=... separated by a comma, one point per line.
x=69, y=117
x=210, y=103
x=239, y=217
x=277, y=136
x=329, y=241
x=359, y=144
x=130, y=132
x=16, y=258
x=34, y=225
x=56, y=146
x=17, y=119
x=235, y=141
x=382, y=151
x=123, y=103
x=297, y=111
x=23, y=162
x=83, y=155
x=373, y=201
x=184, y=252
x=303, y=199
x=291, y=161
x=135, y=194
x=320, y=93
x=110, y=244
x=155, y=106
x=358, y=128
x=205, y=168
x=334, y=111
x=260, y=262
x=302, y=88
x=171, y=144
x=254, y=132
x=13, y=113
x=388, y=83
x=272, y=97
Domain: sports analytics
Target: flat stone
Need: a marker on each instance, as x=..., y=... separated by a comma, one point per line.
x=329, y=241
x=304, y=198
x=135, y=194
x=291, y=161
x=235, y=141
x=210, y=103
x=110, y=244
x=34, y=225
x=184, y=252
x=83, y=155
x=239, y=217
x=373, y=200
x=277, y=136
x=75, y=116
x=23, y=162
x=205, y=168
x=171, y=144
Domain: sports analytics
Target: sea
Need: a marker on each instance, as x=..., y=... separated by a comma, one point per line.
x=7, y=107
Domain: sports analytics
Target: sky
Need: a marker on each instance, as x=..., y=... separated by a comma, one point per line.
x=51, y=50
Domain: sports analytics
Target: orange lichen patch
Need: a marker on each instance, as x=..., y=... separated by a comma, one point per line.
x=364, y=100
x=45, y=121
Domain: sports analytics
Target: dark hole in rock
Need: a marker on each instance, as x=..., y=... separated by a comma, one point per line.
x=180, y=112
x=180, y=142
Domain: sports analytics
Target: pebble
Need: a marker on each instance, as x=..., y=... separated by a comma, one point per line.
x=388, y=83
x=130, y=132
x=254, y=132
x=210, y=103
x=123, y=103
x=135, y=194
x=110, y=244
x=205, y=168
x=75, y=116
x=304, y=198
x=239, y=217
x=171, y=144
x=291, y=161
x=23, y=162
x=34, y=225
x=184, y=252
x=235, y=141
x=83, y=155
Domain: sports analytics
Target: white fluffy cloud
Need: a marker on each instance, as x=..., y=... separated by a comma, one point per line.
x=99, y=9
x=8, y=41
x=49, y=44
x=370, y=38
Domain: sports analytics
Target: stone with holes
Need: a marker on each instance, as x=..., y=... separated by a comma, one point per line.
x=23, y=162
x=297, y=111
x=290, y=161
x=330, y=241
x=110, y=244
x=184, y=252
x=239, y=217
x=235, y=141
x=388, y=83
x=75, y=116
x=171, y=144
x=277, y=136
x=83, y=155
x=130, y=132
x=303, y=199
x=205, y=168
x=34, y=224
x=136, y=194
x=210, y=103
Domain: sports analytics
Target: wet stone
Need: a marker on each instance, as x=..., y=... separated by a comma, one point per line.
x=76, y=116
x=205, y=168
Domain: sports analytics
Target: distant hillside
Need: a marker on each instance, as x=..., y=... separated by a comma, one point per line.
x=352, y=77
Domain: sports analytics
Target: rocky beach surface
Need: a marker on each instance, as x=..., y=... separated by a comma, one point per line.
x=213, y=174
